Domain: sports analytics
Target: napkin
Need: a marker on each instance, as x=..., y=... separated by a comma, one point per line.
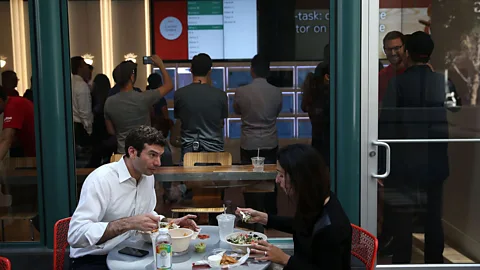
x=241, y=261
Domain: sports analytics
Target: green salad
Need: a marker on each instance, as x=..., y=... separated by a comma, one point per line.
x=244, y=239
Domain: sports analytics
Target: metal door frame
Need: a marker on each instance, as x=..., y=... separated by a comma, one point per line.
x=369, y=131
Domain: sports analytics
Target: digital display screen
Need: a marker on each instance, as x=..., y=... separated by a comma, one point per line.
x=223, y=29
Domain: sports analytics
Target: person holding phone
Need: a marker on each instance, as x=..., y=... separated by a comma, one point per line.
x=322, y=233
x=118, y=199
x=130, y=109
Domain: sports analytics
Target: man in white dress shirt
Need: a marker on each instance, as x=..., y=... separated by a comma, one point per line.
x=81, y=102
x=118, y=199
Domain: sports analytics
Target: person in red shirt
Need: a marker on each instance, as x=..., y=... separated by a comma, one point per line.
x=18, y=124
x=394, y=48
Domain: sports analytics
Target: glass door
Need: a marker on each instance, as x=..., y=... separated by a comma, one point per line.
x=421, y=131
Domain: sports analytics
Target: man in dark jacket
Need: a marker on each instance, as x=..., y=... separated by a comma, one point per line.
x=414, y=108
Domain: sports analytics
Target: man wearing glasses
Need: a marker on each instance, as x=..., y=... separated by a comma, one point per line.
x=394, y=48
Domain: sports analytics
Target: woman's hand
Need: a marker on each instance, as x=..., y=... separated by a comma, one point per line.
x=255, y=216
x=270, y=253
x=187, y=222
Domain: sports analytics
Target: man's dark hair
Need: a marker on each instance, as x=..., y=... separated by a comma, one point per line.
x=75, y=63
x=393, y=35
x=3, y=94
x=201, y=65
x=138, y=137
x=9, y=78
x=419, y=47
x=260, y=66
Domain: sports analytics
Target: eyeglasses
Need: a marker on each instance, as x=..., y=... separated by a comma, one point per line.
x=394, y=49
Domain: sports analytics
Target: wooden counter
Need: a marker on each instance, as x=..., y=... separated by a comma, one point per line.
x=213, y=174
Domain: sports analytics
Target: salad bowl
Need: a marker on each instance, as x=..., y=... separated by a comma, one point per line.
x=241, y=241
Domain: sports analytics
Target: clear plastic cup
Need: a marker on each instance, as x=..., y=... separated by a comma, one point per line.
x=258, y=164
x=226, y=223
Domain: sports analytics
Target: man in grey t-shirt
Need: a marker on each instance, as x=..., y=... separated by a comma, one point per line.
x=130, y=109
x=201, y=109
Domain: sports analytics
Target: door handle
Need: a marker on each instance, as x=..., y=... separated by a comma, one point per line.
x=387, y=160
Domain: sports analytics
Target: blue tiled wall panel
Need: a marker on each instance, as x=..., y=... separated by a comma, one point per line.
x=238, y=78
x=231, y=98
x=302, y=74
x=234, y=129
x=285, y=128
x=304, y=128
x=288, y=103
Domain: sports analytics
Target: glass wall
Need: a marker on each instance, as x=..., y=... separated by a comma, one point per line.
x=107, y=33
x=427, y=95
x=19, y=211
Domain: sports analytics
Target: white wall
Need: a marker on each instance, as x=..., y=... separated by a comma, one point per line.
x=85, y=31
x=461, y=194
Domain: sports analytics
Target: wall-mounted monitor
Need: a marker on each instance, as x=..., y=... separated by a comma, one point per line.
x=185, y=77
x=171, y=73
x=226, y=30
x=237, y=77
x=302, y=73
x=282, y=77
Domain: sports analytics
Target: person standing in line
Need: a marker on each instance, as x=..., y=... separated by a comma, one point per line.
x=259, y=104
x=81, y=102
x=202, y=109
x=414, y=108
x=129, y=109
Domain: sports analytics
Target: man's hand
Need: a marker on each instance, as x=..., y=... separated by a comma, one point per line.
x=146, y=222
x=157, y=61
x=187, y=222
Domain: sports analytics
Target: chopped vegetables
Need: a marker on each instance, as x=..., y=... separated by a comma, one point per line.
x=168, y=225
x=244, y=239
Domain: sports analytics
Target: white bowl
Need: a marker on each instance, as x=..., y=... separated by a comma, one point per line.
x=243, y=248
x=181, y=238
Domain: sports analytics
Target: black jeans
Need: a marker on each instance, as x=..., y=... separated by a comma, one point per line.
x=89, y=262
x=427, y=198
x=265, y=202
x=81, y=136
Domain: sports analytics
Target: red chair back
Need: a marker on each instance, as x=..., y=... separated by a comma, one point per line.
x=60, y=243
x=364, y=246
x=5, y=264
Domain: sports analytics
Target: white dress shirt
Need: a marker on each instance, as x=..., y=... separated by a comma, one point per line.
x=82, y=103
x=109, y=193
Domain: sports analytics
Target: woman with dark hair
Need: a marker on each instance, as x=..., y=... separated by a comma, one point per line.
x=316, y=102
x=321, y=230
x=103, y=143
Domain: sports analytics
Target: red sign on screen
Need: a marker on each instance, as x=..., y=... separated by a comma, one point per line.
x=171, y=29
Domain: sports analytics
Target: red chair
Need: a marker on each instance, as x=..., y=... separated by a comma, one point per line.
x=5, y=264
x=364, y=246
x=60, y=243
